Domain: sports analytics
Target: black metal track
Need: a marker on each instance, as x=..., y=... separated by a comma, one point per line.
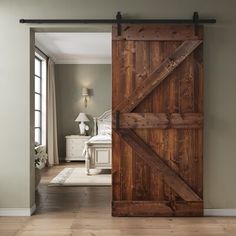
x=119, y=20
x=112, y=21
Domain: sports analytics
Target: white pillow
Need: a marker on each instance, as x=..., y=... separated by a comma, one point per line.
x=104, y=128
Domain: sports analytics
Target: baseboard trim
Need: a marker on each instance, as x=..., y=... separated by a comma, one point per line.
x=30, y=211
x=17, y=211
x=219, y=212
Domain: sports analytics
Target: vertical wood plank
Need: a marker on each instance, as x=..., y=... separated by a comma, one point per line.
x=198, y=107
x=156, y=136
x=116, y=85
x=187, y=98
x=127, y=158
x=127, y=171
x=116, y=167
x=170, y=104
x=142, y=170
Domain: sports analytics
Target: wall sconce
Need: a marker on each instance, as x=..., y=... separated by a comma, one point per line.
x=85, y=94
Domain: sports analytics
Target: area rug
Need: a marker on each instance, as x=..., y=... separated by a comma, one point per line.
x=78, y=177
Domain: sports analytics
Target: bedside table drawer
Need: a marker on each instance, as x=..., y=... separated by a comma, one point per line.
x=74, y=147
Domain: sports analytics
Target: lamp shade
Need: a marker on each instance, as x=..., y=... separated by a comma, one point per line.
x=84, y=92
x=82, y=117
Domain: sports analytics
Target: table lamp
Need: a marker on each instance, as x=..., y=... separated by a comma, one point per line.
x=82, y=126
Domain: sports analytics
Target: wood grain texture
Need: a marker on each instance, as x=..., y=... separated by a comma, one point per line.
x=117, y=48
x=127, y=159
x=141, y=183
x=157, y=32
x=148, y=155
x=160, y=120
x=165, y=69
x=157, y=208
x=163, y=104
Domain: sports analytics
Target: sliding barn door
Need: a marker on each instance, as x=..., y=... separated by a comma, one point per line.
x=157, y=100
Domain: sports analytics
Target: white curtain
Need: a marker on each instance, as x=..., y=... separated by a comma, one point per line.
x=52, y=147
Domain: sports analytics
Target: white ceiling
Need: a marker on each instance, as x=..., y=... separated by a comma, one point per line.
x=76, y=48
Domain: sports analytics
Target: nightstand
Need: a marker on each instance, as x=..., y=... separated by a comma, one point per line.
x=75, y=146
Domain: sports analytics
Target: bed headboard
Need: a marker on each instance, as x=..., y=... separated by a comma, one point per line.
x=102, y=120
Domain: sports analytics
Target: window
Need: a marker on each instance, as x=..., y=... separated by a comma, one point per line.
x=39, y=99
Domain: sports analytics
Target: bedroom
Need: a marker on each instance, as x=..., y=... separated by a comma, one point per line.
x=78, y=110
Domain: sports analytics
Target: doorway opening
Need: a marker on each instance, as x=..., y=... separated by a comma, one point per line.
x=72, y=117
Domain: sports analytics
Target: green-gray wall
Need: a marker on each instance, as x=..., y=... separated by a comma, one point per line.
x=16, y=139
x=69, y=82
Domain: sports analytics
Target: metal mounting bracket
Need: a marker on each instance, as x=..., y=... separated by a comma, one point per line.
x=119, y=19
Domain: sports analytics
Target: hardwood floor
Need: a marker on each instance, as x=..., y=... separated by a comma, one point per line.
x=85, y=211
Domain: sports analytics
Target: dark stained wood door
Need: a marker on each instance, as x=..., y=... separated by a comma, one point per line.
x=157, y=104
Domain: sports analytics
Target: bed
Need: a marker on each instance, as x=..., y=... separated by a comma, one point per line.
x=98, y=154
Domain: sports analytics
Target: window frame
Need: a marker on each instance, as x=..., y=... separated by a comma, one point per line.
x=40, y=104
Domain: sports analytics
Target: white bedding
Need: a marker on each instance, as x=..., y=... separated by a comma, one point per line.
x=99, y=138
x=96, y=139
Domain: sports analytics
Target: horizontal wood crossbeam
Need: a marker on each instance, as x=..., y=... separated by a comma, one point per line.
x=165, y=69
x=157, y=208
x=159, y=120
x=157, y=32
x=148, y=155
